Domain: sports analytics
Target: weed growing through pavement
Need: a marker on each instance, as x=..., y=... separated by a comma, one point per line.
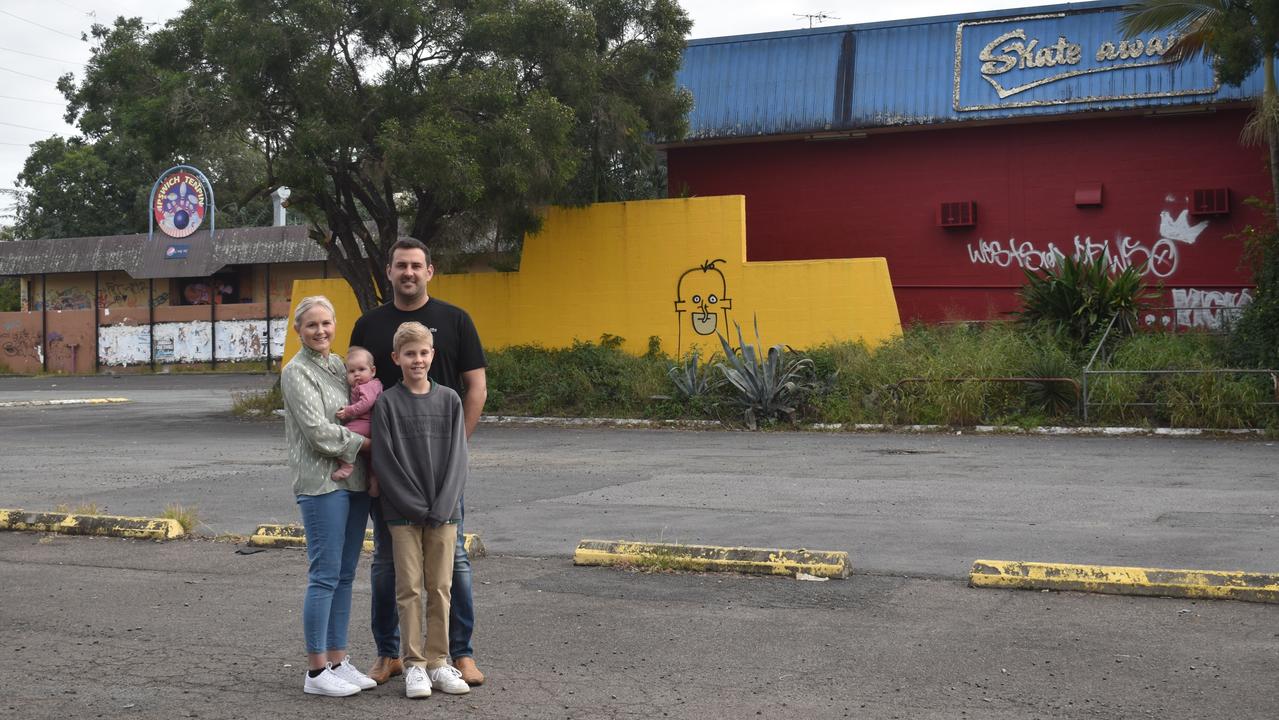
x=258, y=403
x=187, y=517
x=81, y=509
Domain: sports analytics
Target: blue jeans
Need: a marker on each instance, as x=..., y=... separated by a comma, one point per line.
x=334, y=524
x=386, y=620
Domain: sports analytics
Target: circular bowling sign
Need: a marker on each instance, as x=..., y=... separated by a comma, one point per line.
x=179, y=203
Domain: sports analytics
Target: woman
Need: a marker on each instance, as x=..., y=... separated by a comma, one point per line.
x=333, y=512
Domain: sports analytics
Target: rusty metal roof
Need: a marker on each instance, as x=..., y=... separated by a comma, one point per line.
x=142, y=258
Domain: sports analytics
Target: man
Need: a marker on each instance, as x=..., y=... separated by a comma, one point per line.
x=459, y=364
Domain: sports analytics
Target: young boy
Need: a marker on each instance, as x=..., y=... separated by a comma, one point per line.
x=419, y=457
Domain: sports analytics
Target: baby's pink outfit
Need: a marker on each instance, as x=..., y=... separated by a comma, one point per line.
x=357, y=413
x=361, y=407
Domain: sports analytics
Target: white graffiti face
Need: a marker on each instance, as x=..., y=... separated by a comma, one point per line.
x=1159, y=259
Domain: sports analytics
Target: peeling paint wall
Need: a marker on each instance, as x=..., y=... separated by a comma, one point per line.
x=186, y=342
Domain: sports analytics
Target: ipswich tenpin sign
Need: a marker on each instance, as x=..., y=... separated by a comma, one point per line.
x=181, y=202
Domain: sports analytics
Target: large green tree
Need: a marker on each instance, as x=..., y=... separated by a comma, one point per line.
x=447, y=120
x=1238, y=36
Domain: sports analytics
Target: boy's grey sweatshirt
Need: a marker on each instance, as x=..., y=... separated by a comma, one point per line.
x=419, y=454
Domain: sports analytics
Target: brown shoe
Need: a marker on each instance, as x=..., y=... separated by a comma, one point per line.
x=385, y=668
x=471, y=675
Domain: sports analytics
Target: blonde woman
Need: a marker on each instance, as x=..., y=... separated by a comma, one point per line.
x=334, y=512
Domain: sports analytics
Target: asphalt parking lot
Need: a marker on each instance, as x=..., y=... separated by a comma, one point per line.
x=191, y=628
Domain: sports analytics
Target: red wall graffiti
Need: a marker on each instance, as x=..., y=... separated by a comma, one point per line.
x=880, y=197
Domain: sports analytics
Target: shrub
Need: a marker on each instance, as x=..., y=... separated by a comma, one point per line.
x=585, y=379
x=1077, y=299
x=1254, y=338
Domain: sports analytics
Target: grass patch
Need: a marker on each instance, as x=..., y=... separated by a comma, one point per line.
x=257, y=403
x=91, y=508
x=187, y=517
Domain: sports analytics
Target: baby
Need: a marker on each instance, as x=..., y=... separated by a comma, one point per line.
x=365, y=389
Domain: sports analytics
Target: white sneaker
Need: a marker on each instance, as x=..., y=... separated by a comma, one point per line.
x=328, y=683
x=352, y=674
x=416, y=683
x=448, y=679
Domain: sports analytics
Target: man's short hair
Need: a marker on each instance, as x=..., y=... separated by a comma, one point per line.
x=411, y=332
x=408, y=243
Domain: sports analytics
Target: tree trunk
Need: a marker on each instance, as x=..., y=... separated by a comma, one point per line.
x=1270, y=96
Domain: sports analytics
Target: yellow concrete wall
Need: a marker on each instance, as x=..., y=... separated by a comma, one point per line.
x=619, y=268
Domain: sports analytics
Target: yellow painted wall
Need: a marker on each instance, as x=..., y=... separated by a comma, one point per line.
x=619, y=268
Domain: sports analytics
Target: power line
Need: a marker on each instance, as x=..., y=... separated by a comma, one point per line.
x=43, y=27
x=19, y=72
x=82, y=11
x=30, y=100
x=42, y=57
x=17, y=144
x=27, y=127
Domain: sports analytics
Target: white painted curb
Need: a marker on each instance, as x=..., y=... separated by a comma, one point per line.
x=874, y=427
x=69, y=401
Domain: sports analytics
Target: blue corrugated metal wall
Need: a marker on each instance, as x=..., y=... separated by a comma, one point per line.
x=908, y=73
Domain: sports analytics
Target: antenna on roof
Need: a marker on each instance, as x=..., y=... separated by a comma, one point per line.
x=820, y=16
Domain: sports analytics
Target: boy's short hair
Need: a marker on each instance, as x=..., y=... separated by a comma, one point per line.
x=357, y=349
x=412, y=332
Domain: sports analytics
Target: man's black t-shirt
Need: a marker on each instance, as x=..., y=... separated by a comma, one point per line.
x=457, y=344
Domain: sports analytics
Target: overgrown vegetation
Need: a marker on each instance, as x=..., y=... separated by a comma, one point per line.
x=1255, y=336
x=1024, y=373
x=940, y=374
x=1079, y=298
x=259, y=403
x=187, y=517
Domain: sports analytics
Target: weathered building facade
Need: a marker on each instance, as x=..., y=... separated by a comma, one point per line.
x=128, y=301
x=965, y=149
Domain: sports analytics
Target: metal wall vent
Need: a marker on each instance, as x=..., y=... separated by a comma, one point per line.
x=957, y=214
x=1211, y=201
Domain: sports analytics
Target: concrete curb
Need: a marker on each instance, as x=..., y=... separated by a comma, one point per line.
x=1157, y=582
x=68, y=401
x=295, y=536
x=755, y=561
x=596, y=422
x=110, y=525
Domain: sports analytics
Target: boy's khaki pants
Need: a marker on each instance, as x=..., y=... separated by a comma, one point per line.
x=423, y=576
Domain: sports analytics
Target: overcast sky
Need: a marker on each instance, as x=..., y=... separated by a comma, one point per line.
x=40, y=40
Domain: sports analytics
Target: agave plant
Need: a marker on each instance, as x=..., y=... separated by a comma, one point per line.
x=767, y=385
x=692, y=379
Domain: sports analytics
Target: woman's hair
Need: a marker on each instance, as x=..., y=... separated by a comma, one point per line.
x=309, y=302
x=411, y=332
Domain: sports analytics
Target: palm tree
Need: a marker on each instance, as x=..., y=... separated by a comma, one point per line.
x=1238, y=35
